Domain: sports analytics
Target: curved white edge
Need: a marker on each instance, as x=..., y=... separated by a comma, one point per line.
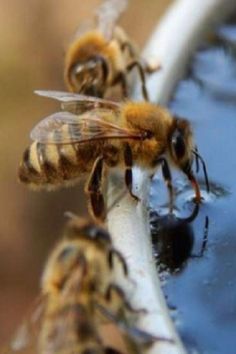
x=129, y=226
x=175, y=39
x=172, y=43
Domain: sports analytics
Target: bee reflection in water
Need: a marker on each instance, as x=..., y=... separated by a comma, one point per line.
x=173, y=239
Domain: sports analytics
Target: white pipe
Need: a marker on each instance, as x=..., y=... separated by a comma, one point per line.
x=172, y=44
x=176, y=38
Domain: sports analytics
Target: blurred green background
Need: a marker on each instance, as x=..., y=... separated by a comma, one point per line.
x=34, y=37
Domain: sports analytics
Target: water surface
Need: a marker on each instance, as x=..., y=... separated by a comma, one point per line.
x=203, y=289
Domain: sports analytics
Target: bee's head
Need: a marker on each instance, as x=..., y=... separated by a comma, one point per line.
x=182, y=152
x=69, y=255
x=181, y=144
x=85, y=229
x=89, y=77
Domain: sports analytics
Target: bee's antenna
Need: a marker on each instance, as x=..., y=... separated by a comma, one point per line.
x=206, y=228
x=198, y=156
x=196, y=159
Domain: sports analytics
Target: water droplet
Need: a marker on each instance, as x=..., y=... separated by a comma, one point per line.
x=186, y=195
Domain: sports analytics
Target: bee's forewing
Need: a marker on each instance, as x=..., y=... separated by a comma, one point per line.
x=68, y=128
x=77, y=103
x=25, y=340
x=50, y=128
x=70, y=97
x=108, y=14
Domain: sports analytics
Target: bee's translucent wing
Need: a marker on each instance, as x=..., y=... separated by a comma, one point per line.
x=85, y=27
x=62, y=334
x=69, y=97
x=25, y=340
x=77, y=103
x=68, y=128
x=108, y=14
x=132, y=333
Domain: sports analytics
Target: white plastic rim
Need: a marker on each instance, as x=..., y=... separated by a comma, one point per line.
x=171, y=44
x=175, y=39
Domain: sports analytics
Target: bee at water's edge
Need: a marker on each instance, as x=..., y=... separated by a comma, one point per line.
x=101, y=57
x=80, y=295
x=100, y=135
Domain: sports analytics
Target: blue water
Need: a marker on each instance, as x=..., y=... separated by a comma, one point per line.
x=203, y=289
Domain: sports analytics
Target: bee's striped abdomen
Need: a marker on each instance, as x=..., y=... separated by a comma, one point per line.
x=52, y=165
x=30, y=169
x=28, y=165
x=49, y=162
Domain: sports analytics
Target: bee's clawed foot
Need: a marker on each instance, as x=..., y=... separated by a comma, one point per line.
x=198, y=200
x=137, y=199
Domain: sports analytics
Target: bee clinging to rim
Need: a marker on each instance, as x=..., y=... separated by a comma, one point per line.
x=79, y=295
x=76, y=277
x=100, y=135
x=102, y=56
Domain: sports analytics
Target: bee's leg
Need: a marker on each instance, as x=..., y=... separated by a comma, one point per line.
x=150, y=68
x=128, y=46
x=140, y=68
x=94, y=189
x=114, y=253
x=121, y=79
x=168, y=180
x=128, y=171
x=115, y=294
x=138, y=337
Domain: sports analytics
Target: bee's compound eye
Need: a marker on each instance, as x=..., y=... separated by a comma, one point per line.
x=76, y=76
x=98, y=233
x=178, y=144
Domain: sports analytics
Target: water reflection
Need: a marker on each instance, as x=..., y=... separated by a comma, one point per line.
x=173, y=239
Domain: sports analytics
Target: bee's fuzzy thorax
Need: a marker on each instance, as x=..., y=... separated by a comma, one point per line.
x=84, y=47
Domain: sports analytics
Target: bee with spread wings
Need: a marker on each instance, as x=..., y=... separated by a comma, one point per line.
x=79, y=295
x=102, y=56
x=101, y=134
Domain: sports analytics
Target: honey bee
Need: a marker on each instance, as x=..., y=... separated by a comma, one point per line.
x=101, y=57
x=102, y=134
x=79, y=294
x=77, y=275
